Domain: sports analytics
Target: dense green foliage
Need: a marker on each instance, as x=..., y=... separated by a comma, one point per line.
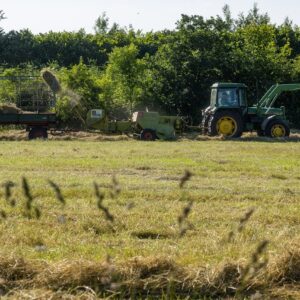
x=122, y=69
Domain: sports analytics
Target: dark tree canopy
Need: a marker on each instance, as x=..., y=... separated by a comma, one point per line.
x=170, y=70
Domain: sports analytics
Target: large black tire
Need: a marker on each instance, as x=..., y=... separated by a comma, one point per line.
x=277, y=128
x=226, y=123
x=37, y=133
x=148, y=135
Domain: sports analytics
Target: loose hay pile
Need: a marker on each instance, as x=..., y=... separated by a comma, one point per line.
x=10, y=108
x=152, y=276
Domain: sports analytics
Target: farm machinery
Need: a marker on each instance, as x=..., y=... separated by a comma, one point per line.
x=32, y=98
x=148, y=126
x=229, y=114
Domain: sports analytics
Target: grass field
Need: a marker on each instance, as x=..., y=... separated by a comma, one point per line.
x=145, y=251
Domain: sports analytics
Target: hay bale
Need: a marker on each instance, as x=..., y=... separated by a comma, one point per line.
x=51, y=80
x=10, y=108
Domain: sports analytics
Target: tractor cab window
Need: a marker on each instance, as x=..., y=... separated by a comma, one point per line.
x=243, y=97
x=213, y=97
x=228, y=97
x=96, y=113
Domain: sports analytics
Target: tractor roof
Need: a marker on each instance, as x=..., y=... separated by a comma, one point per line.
x=228, y=85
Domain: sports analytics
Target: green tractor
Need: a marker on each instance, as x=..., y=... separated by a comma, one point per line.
x=229, y=115
x=149, y=126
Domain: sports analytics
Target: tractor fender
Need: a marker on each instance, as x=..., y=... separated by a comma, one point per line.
x=269, y=119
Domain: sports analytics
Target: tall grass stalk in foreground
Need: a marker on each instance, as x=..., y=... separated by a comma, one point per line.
x=257, y=263
x=8, y=185
x=30, y=209
x=115, y=188
x=100, y=197
x=242, y=223
x=58, y=194
x=183, y=223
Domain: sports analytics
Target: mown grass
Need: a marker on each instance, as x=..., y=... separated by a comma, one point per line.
x=228, y=179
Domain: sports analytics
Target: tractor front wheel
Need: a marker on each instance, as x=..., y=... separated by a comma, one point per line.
x=148, y=135
x=226, y=123
x=277, y=128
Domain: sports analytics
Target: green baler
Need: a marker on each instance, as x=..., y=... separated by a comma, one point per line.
x=151, y=125
x=148, y=125
x=97, y=119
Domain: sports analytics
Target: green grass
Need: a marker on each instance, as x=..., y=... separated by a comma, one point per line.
x=230, y=177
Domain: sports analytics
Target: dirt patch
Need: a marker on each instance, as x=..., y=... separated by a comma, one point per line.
x=22, y=135
x=87, y=136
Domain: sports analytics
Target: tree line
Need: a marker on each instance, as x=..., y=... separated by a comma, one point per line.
x=123, y=69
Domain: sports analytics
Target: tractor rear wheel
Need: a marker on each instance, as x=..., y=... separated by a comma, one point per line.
x=277, y=128
x=37, y=133
x=226, y=123
x=148, y=135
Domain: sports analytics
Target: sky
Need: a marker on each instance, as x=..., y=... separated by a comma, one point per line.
x=40, y=16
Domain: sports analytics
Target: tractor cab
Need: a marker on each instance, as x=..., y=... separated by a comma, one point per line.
x=225, y=115
x=95, y=117
x=228, y=95
x=228, y=113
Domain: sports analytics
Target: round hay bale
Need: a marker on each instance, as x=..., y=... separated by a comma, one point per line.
x=51, y=80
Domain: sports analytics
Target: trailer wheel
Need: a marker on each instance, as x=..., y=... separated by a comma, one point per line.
x=148, y=135
x=277, y=128
x=226, y=123
x=37, y=133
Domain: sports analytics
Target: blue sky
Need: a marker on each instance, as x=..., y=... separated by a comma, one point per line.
x=59, y=15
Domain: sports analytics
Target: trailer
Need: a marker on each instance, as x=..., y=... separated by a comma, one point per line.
x=37, y=124
x=29, y=99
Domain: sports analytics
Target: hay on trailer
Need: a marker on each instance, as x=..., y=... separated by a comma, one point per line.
x=10, y=108
x=51, y=80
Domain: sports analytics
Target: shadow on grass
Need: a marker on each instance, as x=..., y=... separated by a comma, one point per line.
x=144, y=235
x=247, y=137
x=21, y=135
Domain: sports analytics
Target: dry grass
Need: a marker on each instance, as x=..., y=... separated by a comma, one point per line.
x=75, y=250
x=21, y=135
x=141, y=277
x=286, y=268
